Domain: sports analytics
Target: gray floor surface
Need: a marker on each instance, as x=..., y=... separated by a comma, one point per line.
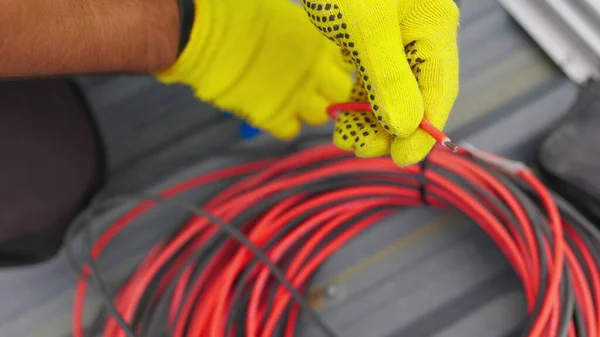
x=421, y=273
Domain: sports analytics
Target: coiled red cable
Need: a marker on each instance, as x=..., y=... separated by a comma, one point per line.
x=201, y=305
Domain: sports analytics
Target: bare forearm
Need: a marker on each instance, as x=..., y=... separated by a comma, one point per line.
x=87, y=36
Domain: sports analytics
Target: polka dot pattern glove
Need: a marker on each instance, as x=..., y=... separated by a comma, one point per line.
x=405, y=52
x=262, y=61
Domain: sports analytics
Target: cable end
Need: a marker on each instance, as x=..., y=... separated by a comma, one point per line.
x=450, y=145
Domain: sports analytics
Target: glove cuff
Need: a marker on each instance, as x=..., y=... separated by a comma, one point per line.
x=180, y=71
x=187, y=13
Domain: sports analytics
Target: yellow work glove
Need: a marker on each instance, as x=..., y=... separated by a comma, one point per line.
x=262, y=60
x=406, y=55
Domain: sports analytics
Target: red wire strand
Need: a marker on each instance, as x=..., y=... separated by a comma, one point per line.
x=334, y=110
x=216, y=283
x=591, y=267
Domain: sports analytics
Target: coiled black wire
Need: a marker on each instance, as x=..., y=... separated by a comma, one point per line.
x=151, y=318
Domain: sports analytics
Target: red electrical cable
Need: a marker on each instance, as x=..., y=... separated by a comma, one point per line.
x=590, y=264
x=334, y=110
x=139, y=210
x=206, y=303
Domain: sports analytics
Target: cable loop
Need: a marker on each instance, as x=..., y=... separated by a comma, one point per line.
x=230, y=269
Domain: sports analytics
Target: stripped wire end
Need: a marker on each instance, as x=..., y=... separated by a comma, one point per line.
x=438, y=135
x=448, y=143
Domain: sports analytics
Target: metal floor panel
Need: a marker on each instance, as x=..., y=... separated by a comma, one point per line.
x=421, y=273
x=568, y=31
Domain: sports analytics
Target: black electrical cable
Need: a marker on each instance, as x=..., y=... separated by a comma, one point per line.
x=540, y=230
x=243, y=218
x=239, y=296
x=326, y=188
x=108, y=302
x=236, y=297
x=587, y=232
x=225, y=227
x=332, y=184
x=569, y=307
x=151, y=316
x=259, y=207
x=106, y=297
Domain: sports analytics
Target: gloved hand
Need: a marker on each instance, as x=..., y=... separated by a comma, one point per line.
x=263, y=61
x=406, y=54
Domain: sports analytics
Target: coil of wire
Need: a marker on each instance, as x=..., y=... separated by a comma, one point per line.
x=241, y=265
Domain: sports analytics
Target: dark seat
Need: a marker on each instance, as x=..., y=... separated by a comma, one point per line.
x=51, y=162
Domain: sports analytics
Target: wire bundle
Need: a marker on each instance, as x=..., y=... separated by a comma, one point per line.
x=242, y=263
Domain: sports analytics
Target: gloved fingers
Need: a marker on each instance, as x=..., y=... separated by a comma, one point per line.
x=430, y=38
x=390, y=85
x=374, y=40
x=359, y=93
x=284, y=129
x=333, y=82
x=359, y=132
x=432, y=52
x=411, y=150
x=313, y=110
x=435, y=67
x=332, y=86
x=344, y=61
x=283, y=125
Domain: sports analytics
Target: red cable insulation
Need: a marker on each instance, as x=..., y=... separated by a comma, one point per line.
x=523, y=253
x=275, y=254
x=425, y=125
x=310, y=268
x=119, y=225
x=591, y=267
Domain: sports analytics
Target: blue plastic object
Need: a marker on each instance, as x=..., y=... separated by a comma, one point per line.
x=247, y=131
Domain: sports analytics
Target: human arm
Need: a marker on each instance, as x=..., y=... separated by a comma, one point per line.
x=87, y=36
x=261, y=60
x=258, y=59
